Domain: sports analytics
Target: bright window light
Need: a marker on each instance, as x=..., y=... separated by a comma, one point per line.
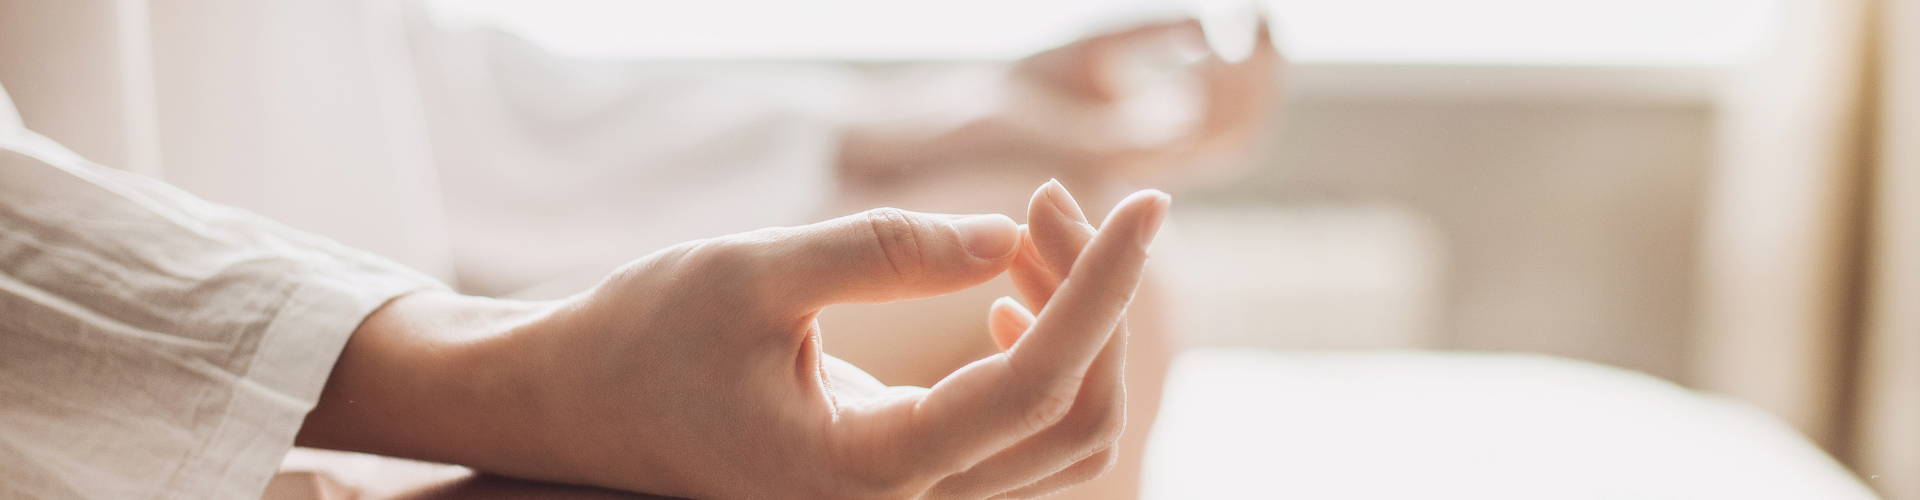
x=1640, y=32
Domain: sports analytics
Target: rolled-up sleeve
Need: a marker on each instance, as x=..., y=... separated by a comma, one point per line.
x=154, y=345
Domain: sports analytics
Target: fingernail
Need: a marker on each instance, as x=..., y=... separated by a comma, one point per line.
x=1062, y=201
x=989, y=236
x=1150, y=225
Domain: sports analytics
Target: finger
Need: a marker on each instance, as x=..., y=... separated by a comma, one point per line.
x=1233, y=88
x=883, y=255
x=1095, y=293
x=1230, y=28
x=1267, y=45
x=1264, y=58
x=993, y=403
x=1029, y=272
x=1057, y=231
x=1006, y=320
x=1055, y=455
x=1092, y=426
x=1082, y=471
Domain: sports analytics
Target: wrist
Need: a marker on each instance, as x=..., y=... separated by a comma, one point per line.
x=417, y=380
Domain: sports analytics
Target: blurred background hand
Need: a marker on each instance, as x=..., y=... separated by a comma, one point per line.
x=1148, y=104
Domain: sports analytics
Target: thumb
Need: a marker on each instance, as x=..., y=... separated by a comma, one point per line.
x=887, y=254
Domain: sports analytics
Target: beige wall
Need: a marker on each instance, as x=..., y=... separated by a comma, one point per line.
x=1566, y=217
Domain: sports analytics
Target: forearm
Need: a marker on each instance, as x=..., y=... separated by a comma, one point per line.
x=419, y=379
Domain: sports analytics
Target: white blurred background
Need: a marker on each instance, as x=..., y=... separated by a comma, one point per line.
x=1711, y=192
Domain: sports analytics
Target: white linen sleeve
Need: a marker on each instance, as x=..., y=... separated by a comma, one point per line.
x=154, y=345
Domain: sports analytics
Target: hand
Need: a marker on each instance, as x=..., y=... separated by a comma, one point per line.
x=1143, y=99
x=1144, y=103
x=698, y=371
x=1056, y=232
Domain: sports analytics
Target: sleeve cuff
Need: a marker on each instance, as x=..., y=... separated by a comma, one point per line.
x=295, y=356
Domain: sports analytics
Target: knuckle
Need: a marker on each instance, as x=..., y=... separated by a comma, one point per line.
x=898, y=239
x=721, y=258
x=724, y=265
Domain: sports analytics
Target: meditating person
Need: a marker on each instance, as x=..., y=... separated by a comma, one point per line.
x=159, y=345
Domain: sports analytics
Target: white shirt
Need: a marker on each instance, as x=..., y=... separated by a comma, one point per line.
x=154, y=345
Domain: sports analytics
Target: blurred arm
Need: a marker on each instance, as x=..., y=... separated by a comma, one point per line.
x=1132, y=103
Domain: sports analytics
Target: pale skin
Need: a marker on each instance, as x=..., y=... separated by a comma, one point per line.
x=1059, y=114
x=697, y=371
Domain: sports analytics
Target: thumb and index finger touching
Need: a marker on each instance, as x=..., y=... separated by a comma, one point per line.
x=1055, y=233
x=890, y=254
